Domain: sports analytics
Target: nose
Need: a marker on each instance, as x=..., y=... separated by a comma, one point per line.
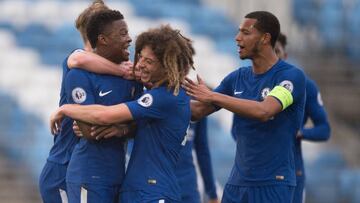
x=238, y=37
x=128, y=39
x=140, y=64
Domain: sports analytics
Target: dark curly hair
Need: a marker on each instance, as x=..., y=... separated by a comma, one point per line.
x=173, y=50
x=99, y=22
x=266, y=23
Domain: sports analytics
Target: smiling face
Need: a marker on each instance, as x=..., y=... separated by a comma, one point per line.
x=118, y=41
x=150, y=68
x=249, y=39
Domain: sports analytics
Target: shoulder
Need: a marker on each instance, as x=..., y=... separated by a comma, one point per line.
x=242, y=70
x=166, y=97
x=311, y=88
x=237, y=73
x=311, y=84
x=287, y=71
x=78, y=75
x=78, y=72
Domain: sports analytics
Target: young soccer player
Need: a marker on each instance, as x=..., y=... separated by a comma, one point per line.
x=268, y=100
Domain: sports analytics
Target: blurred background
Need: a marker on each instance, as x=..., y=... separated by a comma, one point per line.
x=323, y=38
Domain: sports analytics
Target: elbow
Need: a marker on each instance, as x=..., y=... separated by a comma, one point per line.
x=263, y=116
x=76, y=60
x=264, y=113
x=327, y=133
x=324, y=132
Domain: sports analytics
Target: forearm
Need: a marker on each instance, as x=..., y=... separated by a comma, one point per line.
x=262, y=111
x=94, y=63
x=86, y=113
x=200, y=109
x=97, y=114
x=317, y=133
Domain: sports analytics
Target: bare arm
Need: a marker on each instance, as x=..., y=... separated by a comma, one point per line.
x=200, y=110
x=118, y=130
x=94, y=114
x=97, y=64
x=262, y=111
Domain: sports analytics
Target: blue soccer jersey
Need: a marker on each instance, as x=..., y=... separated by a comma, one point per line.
x=65, y=141
x=196, y=138
x=162, y=120
x=98, y=162
x=265, y=150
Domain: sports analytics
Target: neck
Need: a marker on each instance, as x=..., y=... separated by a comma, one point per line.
x=264, y=61
x=87, y=47
x=106, y=54
x=159, y=83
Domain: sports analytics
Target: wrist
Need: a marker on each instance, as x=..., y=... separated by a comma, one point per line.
x=121, y=72
x=214, y=97
x=64, y=109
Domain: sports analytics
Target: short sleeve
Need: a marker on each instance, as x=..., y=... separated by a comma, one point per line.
x=78, y=87
x=151, y=105
x=293, y=80
x=227, y=84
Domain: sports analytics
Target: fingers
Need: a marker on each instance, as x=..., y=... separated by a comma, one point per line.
x=130, y=63
x=77, y=130
x=55, y=124
x=189, y=81
x=55, y=127
x=200, y=80
x=97, y=130
x=121, y=130
x=187, y=84
x=52, y=127
x=101, y=132
x=110, y=134
x=127, y=67
x=127, y=64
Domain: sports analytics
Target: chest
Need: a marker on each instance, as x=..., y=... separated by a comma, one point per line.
x=253, y=88
x=112, y=90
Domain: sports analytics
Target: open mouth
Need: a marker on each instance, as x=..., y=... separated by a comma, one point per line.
x=126, y=49
x=240, y=48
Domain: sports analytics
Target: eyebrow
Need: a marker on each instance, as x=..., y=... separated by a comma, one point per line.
x=247, y=28
x=147, y=58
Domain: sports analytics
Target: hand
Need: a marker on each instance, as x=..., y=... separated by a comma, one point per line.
x=214, y=201
x=55, y=121
x=137, y=73
x=199, y=90
x=127, y=70
x=77, y=130
x=100, y=132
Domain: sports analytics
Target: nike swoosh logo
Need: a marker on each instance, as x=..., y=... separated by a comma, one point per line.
x=235, y=93
x=101, y=94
